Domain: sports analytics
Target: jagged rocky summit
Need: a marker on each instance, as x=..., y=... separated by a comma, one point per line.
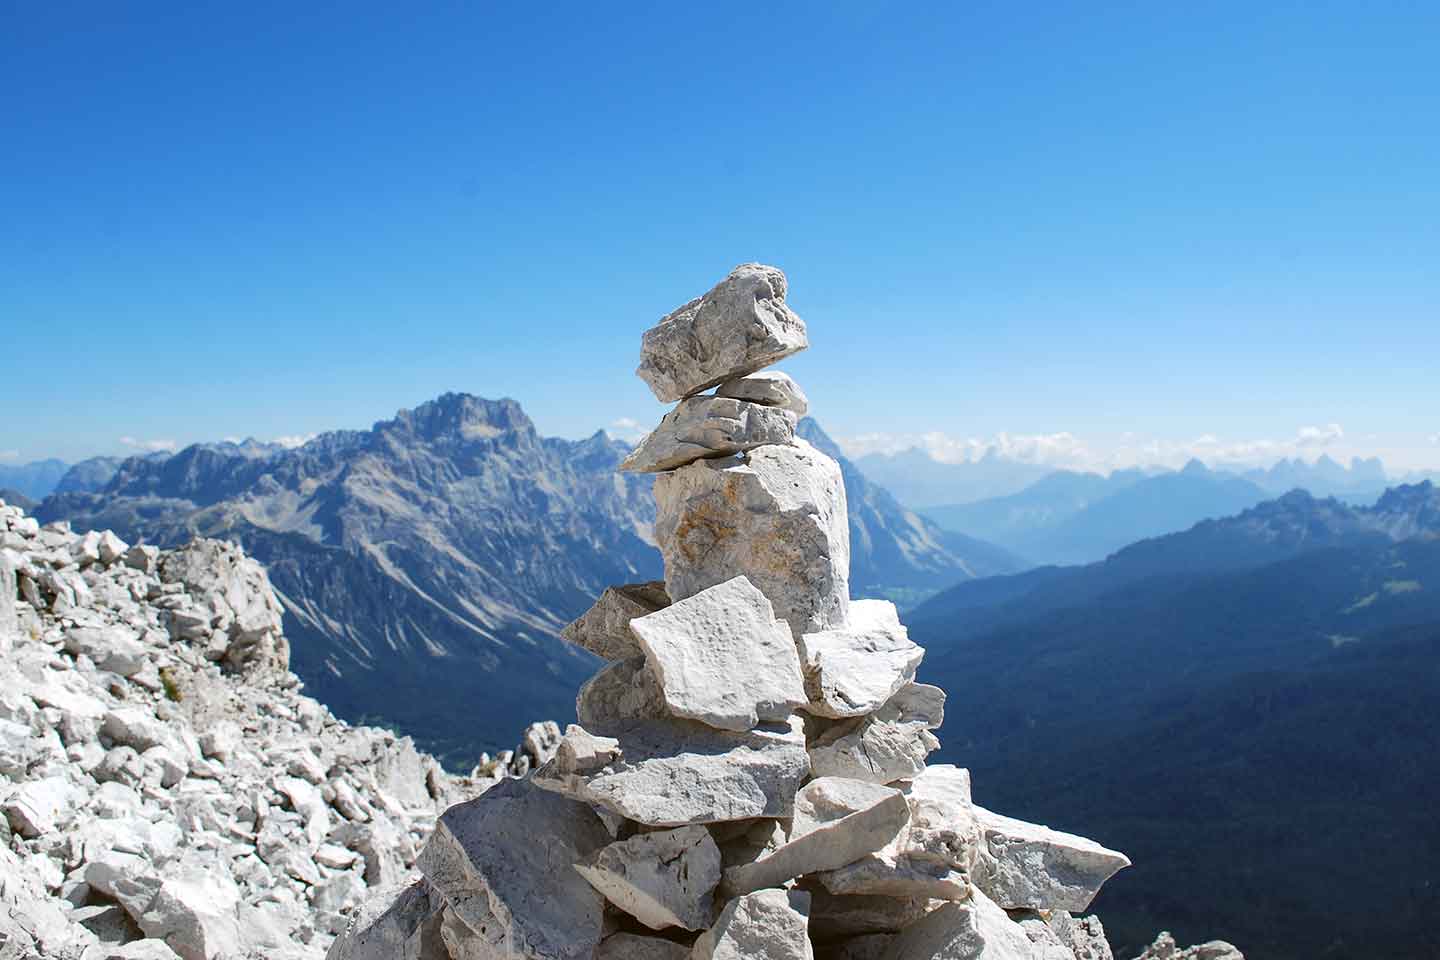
x=748, y=777
x=165, y=788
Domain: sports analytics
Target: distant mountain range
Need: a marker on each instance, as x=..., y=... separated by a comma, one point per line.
x=34, y=480
x=427, y=565
x=918, y=480
x=1082, y=517
x=1252, y=691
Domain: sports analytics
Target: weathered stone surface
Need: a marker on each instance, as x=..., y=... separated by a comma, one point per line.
x=671, y=773
x=974, y=930
x=931, y=856
x=770, y=387
x=604, y=630
x=740, y=326
x=9, y=624
x=836, y=822
x=620, y=696
x=115, y=649
x=870, y=749
x=195, y=912
x=1026, y=865
x=632, y=946
x=702, y=427
x=394, y=924
x=1165, y=948
x=722, y=658
x=1044, y=932
x=463, y=942
x=1084, y=937
x=854, y=670
x=765, y=925
x=484, y=859
x=663, y=879
x=870, y=946
x=777, y=517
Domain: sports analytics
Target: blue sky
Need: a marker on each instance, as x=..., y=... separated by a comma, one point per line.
x=1144, y=227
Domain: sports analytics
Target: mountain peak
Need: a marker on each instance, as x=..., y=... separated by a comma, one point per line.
x=460, y=416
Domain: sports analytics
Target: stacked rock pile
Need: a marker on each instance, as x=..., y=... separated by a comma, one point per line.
x=747, y=778
x=165, y=789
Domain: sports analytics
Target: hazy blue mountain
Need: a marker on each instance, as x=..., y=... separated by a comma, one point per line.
x=896, y=553
x=35, y=480
x=1041, y=507
x=427, y=565
x=1324, y=478
x=92, y=475
x=1080, y=518
x=1267, y=680
x=918, y=481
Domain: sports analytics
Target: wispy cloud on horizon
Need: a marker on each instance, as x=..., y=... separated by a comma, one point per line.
x=292, y=440
x=1066, y=450
x=150, y=446
x=628, y=429
x=9, y=454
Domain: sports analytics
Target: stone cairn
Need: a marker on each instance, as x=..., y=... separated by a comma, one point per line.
x=748, y=776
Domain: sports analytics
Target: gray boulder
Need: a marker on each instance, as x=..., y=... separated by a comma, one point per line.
x=604, y=629
x=508, y=857
x=740, y=326
x=703, y=427
x=722, y=658
x=856, y=669
x=1026, y=865
x=777, y=517
x=663, y=879
x=394, y=924
x=765, y=925
x=976, y=929
x=669, y=773
x=770, y=387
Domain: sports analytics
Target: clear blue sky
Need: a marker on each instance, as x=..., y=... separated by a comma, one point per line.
x=1158, y=219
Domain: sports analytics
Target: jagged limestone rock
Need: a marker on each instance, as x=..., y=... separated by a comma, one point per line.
x=485, y=860
x=9, y=623
x=464, y=942
x=722, y=658
x=931, y=856
x=1059, y=936
x=856, y=669
x=663, y=879
x=740, y=326
x=770, y=387
x=1026, y=865
x=765, y=925
x=670, y=773
x=888, y=745
x=1165, y=948
x=195, y=912
x=396, y=923
x=836, y=821
x=620, y=696
x=604, y=629
x=703, y=427
x=976, y=929
x=777, y=517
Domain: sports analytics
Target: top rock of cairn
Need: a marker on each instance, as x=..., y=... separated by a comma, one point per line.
x=740, y=326
x=753, y=783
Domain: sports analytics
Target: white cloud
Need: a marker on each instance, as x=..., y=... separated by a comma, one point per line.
x=9, y=454
x=628, y=429
x=1435, y=439
x=293, y=440
x=150, y=446
x=1066, y=450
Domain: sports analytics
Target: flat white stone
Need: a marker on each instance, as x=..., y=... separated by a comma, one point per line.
x=510, y=853
x=195, y=912
x=740, y=326
x=776, y=517
x=632, y=946
x=856, y=669
x=836, y=821
x=703, y=427
x=1026, y=865
x=770, y=387
x=663, y=879
x=604, y=629
x=670, y=773
x=974, y=930
x=764, y=925
x=722, y=658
